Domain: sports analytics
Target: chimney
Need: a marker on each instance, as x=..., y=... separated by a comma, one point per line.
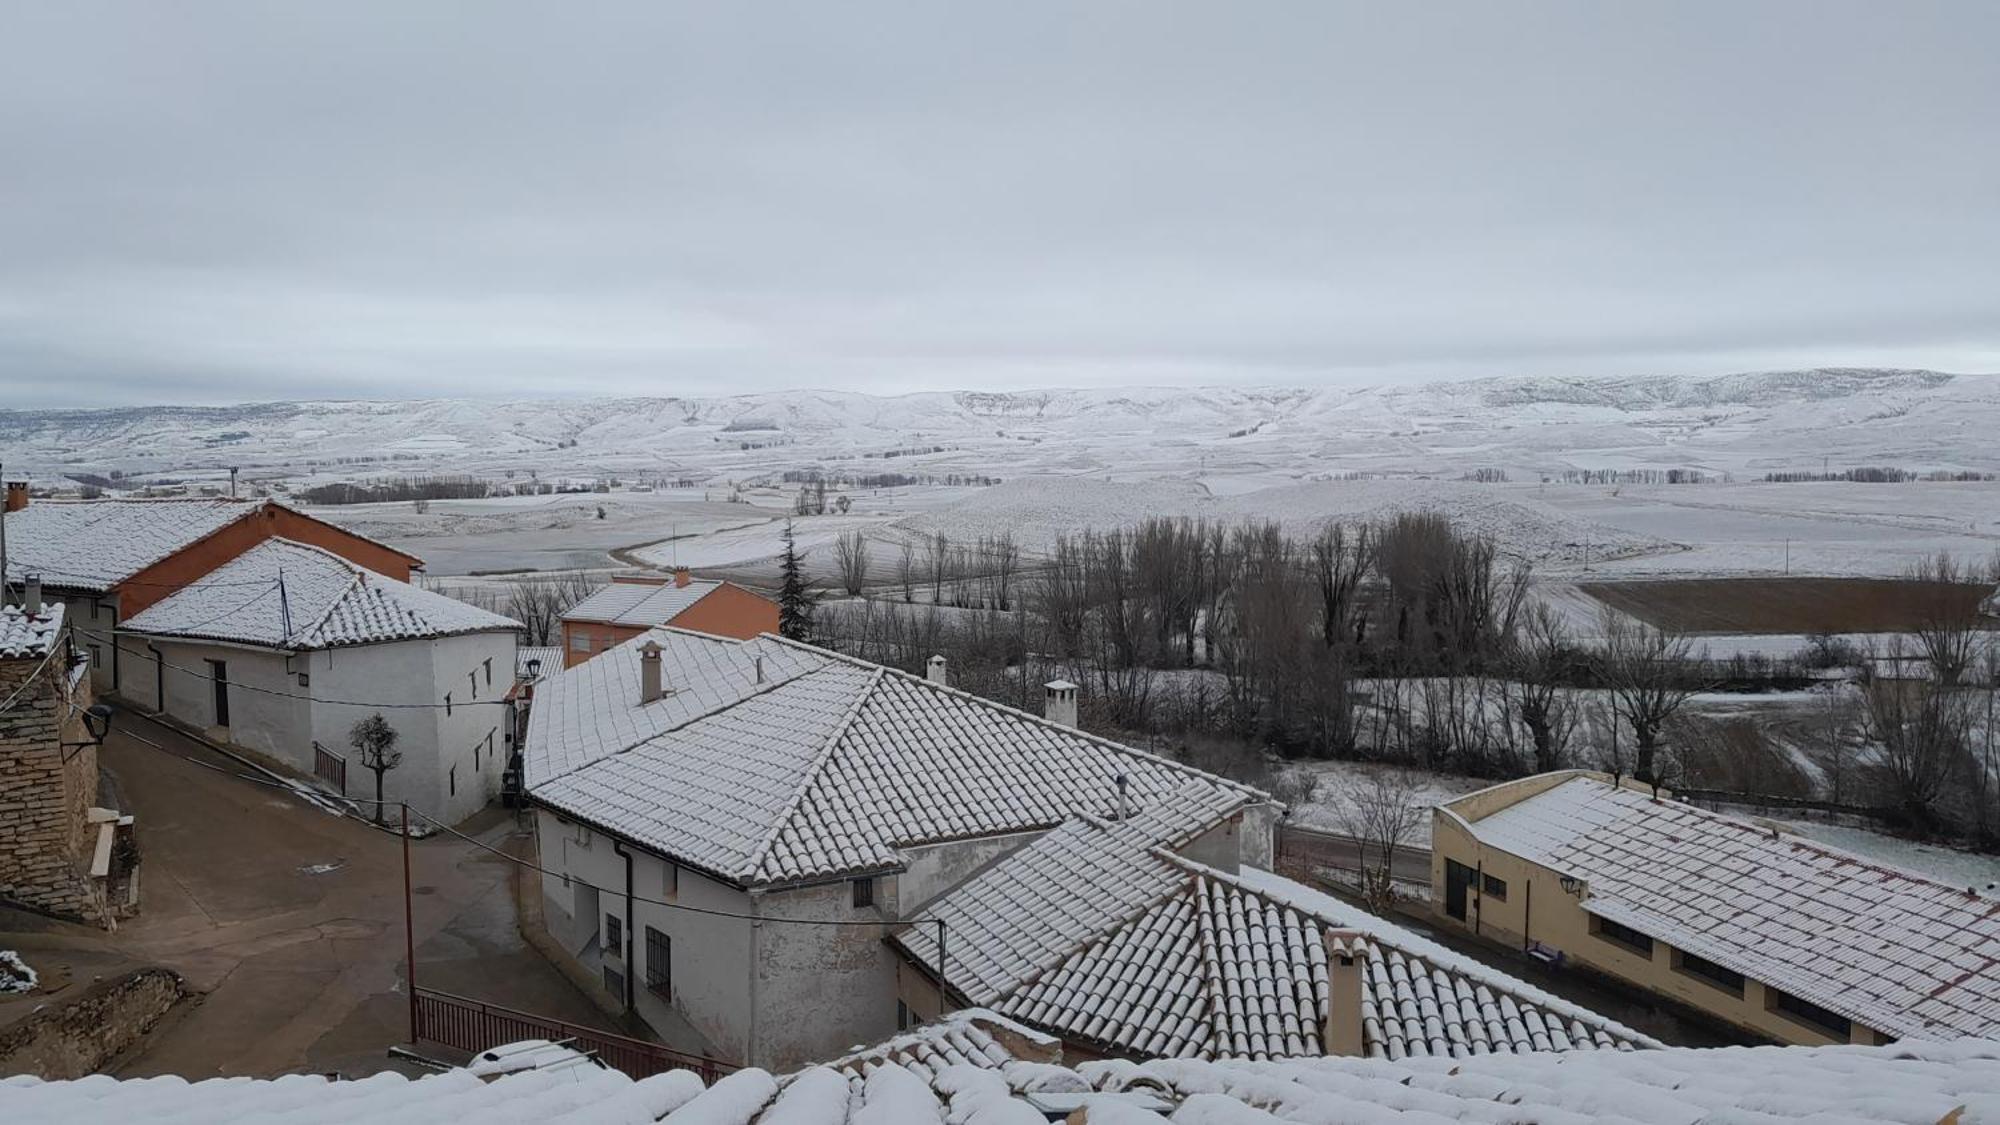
x=31, y=595
x=934, y=671
x=17, y=495
x=1346, y=954
x=1061, y=704
x=649, y=673
x=681, y=576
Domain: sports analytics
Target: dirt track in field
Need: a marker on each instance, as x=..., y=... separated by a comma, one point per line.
x=1787, y=605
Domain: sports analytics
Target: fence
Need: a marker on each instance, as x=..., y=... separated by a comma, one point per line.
x=473, y=1026
x=330, y=768
x=1770, y=804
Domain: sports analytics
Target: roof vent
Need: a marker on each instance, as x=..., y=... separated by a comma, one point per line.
x=1060, y=706
x=17, y=495
x=31, y=595
x=1341, y=1033
x=759, y=663
x=681, y=576
x=934, y=671
x=649, y=673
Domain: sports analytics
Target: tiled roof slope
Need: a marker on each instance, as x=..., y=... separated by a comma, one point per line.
x=825, y=766
x=93, y=545
x=640, y=603
x=29, y=638
x=294, y=596
x=1888, y=948
x=1100, y=934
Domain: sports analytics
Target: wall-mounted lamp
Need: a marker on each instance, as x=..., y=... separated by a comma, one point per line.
x=97, y=722
x=1570, y=884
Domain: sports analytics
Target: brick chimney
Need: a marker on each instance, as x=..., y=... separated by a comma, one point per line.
x=17, y=495
x=934, y=671
x=649, y=673
x=1346, y=959
x=1060, y=705
x=681, y=576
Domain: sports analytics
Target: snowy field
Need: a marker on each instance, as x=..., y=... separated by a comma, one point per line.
x=1946, y=865
x=1340, y=784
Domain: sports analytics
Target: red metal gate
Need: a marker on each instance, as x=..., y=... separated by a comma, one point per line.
x=469, y=1025
x=330, y=768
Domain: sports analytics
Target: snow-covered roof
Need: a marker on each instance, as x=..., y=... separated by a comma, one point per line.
x=547, y=659
x=93, y=545
x=296, y=596
x=1888, y=948
x=960, y=1070
x=1100, y=932
x=640, y=604
x=23, y=637
x=769, y=761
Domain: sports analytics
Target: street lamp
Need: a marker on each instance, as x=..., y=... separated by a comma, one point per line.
x=97, y=722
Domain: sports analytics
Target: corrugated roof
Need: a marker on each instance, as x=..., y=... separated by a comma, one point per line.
x=295, y=596
x=640, y=604
x=93, y=545
x=29, y=638
x=1888, y=948
x=1099, y=932
x=869, y=759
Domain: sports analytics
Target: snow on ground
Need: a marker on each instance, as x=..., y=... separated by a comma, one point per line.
x=15, y=975
x=1946, y=865
x=1341, y=784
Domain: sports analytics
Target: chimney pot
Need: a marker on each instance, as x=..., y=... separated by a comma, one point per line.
x=649, y=673
x=31, y=595
x=934, y=671
x=1060, y=706
x=681, y=576
x=17, y=495
x=1341, y=1034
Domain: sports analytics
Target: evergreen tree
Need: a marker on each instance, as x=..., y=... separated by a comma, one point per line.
x=795, y=596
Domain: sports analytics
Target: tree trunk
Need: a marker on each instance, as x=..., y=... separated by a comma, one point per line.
x=379, y=806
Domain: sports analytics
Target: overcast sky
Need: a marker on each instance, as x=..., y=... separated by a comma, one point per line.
x=217, y=203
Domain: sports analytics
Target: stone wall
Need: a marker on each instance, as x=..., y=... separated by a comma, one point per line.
x=78, y=1038
x=46, y=842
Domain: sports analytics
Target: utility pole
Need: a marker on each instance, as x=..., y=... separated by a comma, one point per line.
x=409, y=927
x=1788, y=558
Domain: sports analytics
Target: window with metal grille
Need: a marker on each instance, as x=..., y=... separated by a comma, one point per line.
x=614, y=982
x=1728, y=980
x=1808, y=1013
x=1495, y=889
x=1622, y=935
x=659, y=964
x=614, y=937
x=864, y=892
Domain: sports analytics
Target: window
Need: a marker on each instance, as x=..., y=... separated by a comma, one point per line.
x=864, y=892
x=614, y=937
x=902, y=1016
x=578, y=642
x=670, y=879
x=614, y=982
x=1621, y=934
x=488, y=664
x=1808, y=1013
x=1728, y=980
x=96, y=655
x=451, y=778
x=659, y=964
x=1495, y=889
x=447, y=703
x=474, y=677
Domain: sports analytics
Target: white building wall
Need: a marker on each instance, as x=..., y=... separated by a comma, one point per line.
x=266, y=711
x=934, y=869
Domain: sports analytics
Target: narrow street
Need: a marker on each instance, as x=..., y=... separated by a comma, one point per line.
x=290, y=919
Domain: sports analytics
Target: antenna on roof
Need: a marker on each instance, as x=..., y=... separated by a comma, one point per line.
x=232, y=482
x=284, y=605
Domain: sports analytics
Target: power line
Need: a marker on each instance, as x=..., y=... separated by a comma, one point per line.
x=310, y=698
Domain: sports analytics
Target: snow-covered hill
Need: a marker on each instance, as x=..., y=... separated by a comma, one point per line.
x=1231, y=439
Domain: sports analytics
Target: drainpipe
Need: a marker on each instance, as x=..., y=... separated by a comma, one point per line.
x=159, y=677
x=756, y=942
x=625, y=954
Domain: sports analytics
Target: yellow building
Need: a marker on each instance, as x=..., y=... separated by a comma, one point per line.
x=1782, y=937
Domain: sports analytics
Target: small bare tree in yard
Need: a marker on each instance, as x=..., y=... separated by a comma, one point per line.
x=1646, y=671
x=374, y=741
x=1380, y=812
x=850, y=560
x=1948, y=625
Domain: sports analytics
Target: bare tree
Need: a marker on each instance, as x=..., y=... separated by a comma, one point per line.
x=374, y=741
x=937, y=564
x=1380, y=812
x=538, y=602
x=1921, y=727
x=850, y=560
x=1646, y=671
x=1948, y=622
x=906, y=570
x=1539, y=664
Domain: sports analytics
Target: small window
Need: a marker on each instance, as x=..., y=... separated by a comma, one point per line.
x=864, y=892
x=1492, y=888
x=96, y=656
x=614, y=982
x=614, y=937
x=902, y=1016
x=447, y=703
x=451, y=779
x=1621, y=935
x=659, y=964
x=1728, y=980
x=578, y=642
x=1808, y=1013
x=474, y=677
x=488, y=664
x=670, y=880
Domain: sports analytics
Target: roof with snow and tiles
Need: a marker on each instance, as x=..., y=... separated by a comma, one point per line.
x=295, y=596
x=1888, y=948
x=960, y=1070
x=26, y=636
x=768, y=761
x=640, y=604
x=93, y=545
x=1102, y=933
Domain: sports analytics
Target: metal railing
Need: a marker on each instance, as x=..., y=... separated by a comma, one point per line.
x=473, y=1026
x=330, y=768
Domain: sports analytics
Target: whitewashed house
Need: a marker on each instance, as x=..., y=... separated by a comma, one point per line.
x=734, y=827
x=283, y=648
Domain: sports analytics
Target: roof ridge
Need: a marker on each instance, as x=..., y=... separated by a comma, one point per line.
x=1039, y=720
x=761, y=852
x=305, y=632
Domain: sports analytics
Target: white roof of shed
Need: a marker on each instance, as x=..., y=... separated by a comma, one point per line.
x=29, y=638
x=295, y=596
x=1888, y=948
x=642, y=604
x=829, y=765
x=93, y=545
x=1100, y=932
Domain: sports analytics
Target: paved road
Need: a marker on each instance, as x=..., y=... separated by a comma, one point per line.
x=291, y=920
x=1326, y=849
